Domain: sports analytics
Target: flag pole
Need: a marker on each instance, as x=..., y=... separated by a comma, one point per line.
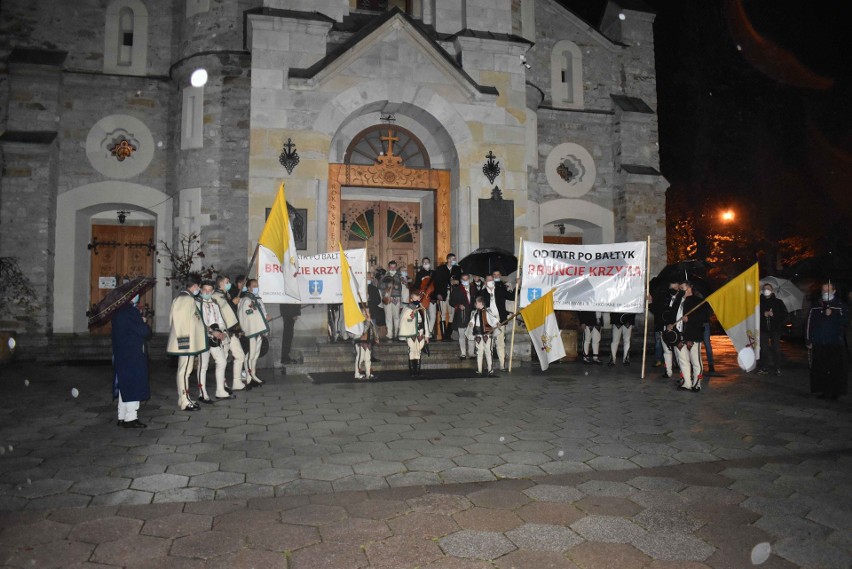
x=517, y=289
x=253, y=257
x=647, y=301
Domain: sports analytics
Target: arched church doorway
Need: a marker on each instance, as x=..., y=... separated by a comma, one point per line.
x=387, y=198
x=120, y=250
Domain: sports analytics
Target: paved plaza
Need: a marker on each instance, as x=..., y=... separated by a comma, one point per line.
x=580, y=467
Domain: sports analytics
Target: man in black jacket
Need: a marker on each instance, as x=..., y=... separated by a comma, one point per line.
x=447, y=276
x=691, y=317
x=773, y=319
x=665, y=309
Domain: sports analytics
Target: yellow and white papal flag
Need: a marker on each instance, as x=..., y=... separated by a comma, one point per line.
x=277, y=236
x=737, y=306
x=540, y=320
x=352, y=314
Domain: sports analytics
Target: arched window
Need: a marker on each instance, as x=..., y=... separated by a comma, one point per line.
x=126, y=38
x=566, y=73
x=380, y=140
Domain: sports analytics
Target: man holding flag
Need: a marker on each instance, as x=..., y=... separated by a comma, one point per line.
x=277, y=237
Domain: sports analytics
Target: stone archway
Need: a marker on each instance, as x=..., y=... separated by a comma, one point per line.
x=73, y=230
x=389, y=171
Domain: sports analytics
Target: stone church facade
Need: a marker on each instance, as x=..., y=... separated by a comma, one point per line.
x=392, y=107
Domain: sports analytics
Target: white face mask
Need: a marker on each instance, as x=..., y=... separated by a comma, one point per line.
x=427, y=266
x=465, y=283
x=453, y=263
x=827, y=296
x=767, y=293
x=392, y=272
x=489, y=284
x=403, y=273
x=496, y=279
x=255, y=291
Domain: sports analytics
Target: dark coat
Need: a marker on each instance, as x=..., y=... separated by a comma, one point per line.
x=693, y=327
x=443, y=274
x=589, y=318
x=618, y=319
x=822, y=330
x=462, y=305
x=130, y=355
x=501, y=295
x=779, y=319
x=661, y=308
x=418, y=283
x=374, y=301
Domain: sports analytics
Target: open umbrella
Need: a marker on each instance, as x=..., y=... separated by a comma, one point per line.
x=786, y=292
x=486, y=260
x=103, y=311
x=685, y=270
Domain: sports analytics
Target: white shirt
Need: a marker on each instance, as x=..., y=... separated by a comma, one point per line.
x=212, y=315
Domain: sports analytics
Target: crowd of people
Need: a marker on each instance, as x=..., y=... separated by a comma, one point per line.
x=434, y=305
x=218, y=320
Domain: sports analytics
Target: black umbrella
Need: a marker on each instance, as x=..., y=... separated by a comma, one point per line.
x=486, y=260
x=103, y=311
x=684, y=270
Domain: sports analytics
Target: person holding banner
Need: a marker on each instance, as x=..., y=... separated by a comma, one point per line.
x=254, y=323
x=229, y=313
x=691, y=316
x=622, y=326
x=591, y=324
x=187, y=337
x=364, y=343
x=482, y=324
x=414, y=330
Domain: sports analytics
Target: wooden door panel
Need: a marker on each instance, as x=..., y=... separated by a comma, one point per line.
x=386, y=229
x=122, y=252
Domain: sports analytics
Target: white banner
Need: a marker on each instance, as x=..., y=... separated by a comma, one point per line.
x=319, y=277
x=605, y=278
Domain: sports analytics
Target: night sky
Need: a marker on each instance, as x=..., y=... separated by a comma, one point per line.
x=754, y=113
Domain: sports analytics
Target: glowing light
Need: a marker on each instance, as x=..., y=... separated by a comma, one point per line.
x=621, y=16
x=728, y=215
x=198, y=78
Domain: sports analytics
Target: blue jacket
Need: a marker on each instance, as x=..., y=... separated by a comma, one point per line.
x=130, y=355
x=823, y=330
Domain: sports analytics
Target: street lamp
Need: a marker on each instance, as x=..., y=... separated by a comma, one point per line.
x=728, y=216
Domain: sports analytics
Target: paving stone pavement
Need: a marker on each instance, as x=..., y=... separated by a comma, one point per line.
x=581, y=467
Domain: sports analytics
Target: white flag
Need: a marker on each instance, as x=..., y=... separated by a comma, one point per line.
x=544, y=330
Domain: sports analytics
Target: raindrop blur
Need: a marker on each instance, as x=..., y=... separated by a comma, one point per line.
x=760, y=553
x=502, y=439
x=560, y=454
x=74, y=392
x=26, y=383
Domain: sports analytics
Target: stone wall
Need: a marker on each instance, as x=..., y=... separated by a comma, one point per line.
x=78, y=28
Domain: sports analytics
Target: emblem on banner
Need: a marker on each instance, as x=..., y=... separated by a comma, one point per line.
x=533, y=294
x=315, y=289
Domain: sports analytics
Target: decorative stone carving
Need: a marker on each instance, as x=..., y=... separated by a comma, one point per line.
x=108, y=156
x=570, y=170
